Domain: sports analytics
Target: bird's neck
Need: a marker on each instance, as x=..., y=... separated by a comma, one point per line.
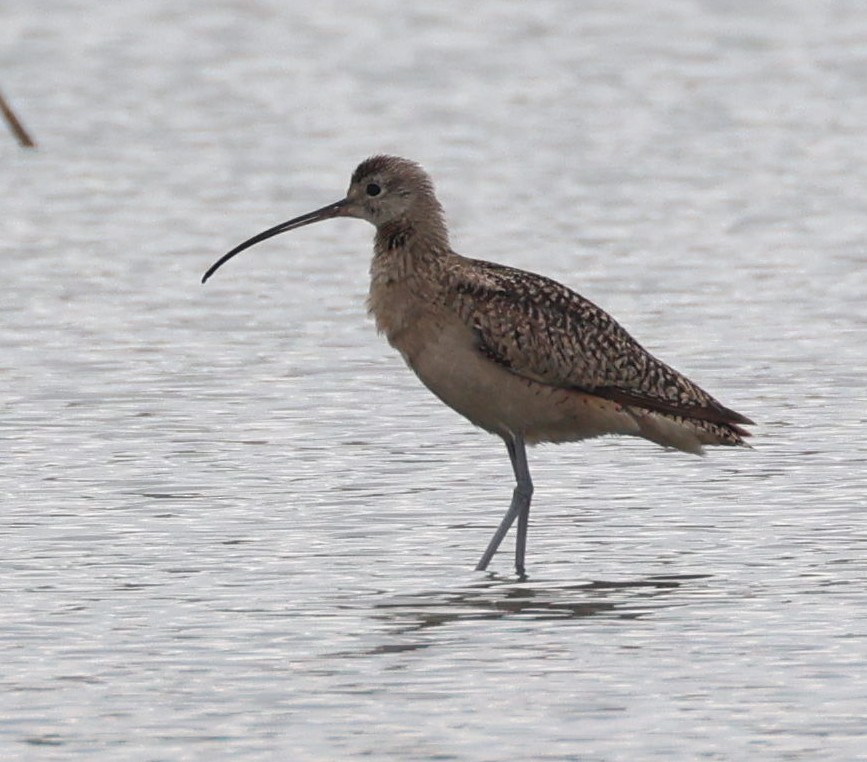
x=407, y=250
x=406, y=281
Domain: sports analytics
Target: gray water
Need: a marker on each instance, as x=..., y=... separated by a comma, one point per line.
x=234, y=526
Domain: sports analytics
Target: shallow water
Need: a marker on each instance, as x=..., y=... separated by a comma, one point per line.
x=234, y=526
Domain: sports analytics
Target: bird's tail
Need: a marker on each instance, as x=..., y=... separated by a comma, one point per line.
x=687, y=434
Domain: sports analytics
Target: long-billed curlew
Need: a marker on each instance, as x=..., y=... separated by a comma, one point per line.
x=518, y=354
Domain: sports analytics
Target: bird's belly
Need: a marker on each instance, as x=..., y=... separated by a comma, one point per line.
x=501, y=402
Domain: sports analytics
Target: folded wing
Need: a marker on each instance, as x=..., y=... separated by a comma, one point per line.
x=542, y=330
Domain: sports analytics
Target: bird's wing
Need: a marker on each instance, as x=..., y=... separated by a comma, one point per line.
x=542, y=330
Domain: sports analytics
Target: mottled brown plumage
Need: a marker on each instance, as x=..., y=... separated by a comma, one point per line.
x=516, y=353
x=544, y=331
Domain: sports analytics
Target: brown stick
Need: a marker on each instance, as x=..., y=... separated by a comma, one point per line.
x=17, y=128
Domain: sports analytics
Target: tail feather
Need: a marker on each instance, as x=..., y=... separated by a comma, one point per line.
x=687, y=434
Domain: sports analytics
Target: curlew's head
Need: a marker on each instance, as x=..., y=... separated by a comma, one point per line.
x=387, y=191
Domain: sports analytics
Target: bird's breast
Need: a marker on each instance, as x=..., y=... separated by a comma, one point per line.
x=405, y=314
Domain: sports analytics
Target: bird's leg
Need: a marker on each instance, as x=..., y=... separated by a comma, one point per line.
x=519, y=508
x=524, y=488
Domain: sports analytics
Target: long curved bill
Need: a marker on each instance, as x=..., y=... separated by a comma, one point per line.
x=338, y=209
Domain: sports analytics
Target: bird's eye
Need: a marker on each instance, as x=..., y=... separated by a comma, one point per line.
x=373, y=189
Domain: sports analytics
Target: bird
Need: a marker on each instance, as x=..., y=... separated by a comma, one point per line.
x=519, y=355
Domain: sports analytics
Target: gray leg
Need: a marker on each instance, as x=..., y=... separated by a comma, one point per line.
x=519, y=508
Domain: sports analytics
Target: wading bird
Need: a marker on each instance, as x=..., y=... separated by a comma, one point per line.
x=518, y=354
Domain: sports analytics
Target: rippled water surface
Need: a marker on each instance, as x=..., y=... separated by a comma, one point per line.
x=235, y=526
